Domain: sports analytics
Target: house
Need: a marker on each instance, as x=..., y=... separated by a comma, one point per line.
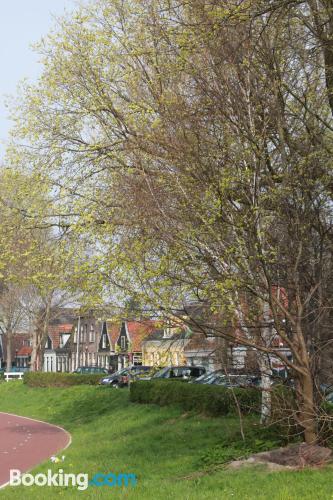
x=56, y=352
x=92, y=343
x=84, y=341
x=108, y=344
x=57, y=346
x=128, y=340
x=165, y=347
x=23, y=356
x=20, y=349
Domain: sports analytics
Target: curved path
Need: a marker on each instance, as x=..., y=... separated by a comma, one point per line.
x=25, y=443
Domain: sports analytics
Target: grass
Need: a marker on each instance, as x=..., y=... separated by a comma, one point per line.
x=162, y=446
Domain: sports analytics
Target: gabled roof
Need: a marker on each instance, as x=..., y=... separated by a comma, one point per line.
x=137, y=331
x=113, y=330
x=104, y=333
x=55, y=331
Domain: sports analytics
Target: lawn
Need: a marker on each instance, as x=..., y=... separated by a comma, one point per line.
x=162, y=446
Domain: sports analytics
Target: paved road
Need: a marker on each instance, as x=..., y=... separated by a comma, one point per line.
x=25, y=443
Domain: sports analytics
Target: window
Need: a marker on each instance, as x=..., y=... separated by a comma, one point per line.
x=137, y=359
x=123, y=342
x=104, y=342
x=75, y=335
x=92, y=334
x=85, y=336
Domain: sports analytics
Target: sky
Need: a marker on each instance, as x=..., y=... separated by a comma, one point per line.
x=22, y=22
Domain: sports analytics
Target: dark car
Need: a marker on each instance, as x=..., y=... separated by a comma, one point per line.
x=207, y=378
x=219, y=377
x=135, y=373
x=179, y=372
x=237, y=380
x=326, y=388
x=329, y=398
x=121, y=377
x=88, y=370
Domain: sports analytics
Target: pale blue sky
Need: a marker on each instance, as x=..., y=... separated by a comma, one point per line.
x=22, y=22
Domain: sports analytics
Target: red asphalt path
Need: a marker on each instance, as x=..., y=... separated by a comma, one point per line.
x=25, y=443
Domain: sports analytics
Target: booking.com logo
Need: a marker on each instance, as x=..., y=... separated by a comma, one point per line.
x=81, y=480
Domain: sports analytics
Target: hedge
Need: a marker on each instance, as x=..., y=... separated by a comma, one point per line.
x=208, y=399
x=49, y=379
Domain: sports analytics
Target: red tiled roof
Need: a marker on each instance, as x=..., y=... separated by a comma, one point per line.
x=18, y=340
x=54, y=332
x=137, y=331
x=25, y=351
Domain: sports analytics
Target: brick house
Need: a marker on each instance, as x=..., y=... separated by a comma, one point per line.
x=20, y=349
x=57, y=351
x=108, y=344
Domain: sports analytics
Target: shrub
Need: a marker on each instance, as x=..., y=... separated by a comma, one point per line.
x=284, y=411
x=207, y=399
x=41, y=379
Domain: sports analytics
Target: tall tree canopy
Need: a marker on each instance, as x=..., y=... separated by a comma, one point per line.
x=191, y=142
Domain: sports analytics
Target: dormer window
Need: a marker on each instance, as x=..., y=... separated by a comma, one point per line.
x=123, y=342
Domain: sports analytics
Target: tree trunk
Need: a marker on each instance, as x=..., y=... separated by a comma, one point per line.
x=33, y=364
x=40, y=335
x=265, y=366
x=266, y=382
x=9, y=352
x=307, y=413
x=323, y=22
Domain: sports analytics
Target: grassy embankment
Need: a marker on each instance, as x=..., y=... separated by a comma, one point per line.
x=162, y=446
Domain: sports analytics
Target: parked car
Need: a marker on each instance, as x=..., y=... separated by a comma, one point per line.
x=87, y=370
x=179, y=372
x=326, y=388
x=329, y=398
x=219, y=377
x=121, y=377
x=135, y=373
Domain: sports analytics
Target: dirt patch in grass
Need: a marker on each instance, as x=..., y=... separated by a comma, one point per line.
x=294, y=457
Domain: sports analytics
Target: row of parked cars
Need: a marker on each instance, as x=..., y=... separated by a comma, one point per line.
x=191, y=374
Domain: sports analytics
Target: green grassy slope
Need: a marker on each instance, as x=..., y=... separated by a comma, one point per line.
x=161, y=446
